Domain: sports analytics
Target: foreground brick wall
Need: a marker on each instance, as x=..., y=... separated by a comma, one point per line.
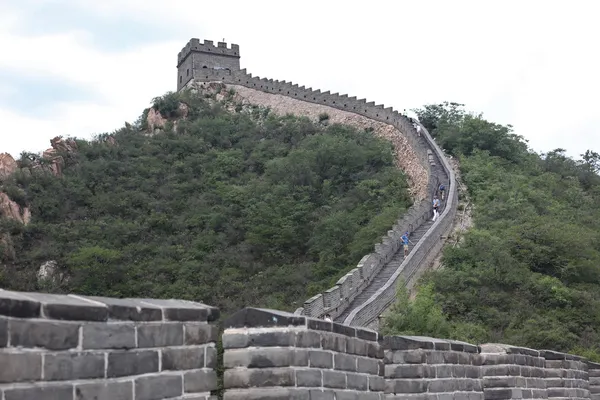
x=55, y=347
x=273, y=355
x=428, y=368
x=276, y=355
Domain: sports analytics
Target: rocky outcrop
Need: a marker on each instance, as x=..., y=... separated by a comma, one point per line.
x=8, y=165
x=156, y=122
x=55, y=161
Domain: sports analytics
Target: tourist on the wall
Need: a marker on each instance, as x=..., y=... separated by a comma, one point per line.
x=436, y=207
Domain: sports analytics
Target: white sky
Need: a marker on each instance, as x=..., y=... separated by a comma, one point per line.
x=82, y=67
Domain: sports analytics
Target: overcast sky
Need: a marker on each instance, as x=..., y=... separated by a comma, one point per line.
x=82, y=67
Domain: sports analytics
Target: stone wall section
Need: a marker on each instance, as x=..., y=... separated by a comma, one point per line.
x=566, y=376
x=88, y=348
x=594, y=380
x=427, y=368
x=511, y=372
x=275, y=355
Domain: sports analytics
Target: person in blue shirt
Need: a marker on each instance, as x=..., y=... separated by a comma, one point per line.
x=442, y=190
x=405, y=242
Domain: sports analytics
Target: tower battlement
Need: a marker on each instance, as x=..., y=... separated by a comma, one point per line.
x=207, y=47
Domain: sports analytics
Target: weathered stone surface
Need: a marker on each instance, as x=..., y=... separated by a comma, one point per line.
x=200, y=333
x=257, y=317
x=3, y=332
x=20, y=367
x=72, y=366
x=309, y=377
x=69, y=308
x=181, y=310
x=265, y=377
x=158, y=387
x=160, y=334
x=129, y=309
x=183, y=358
x=50, y=392
x=13, y=304
x=51, y=335
x=134, y=362
x=105, y=390
x=108, y=336
x=199, y=381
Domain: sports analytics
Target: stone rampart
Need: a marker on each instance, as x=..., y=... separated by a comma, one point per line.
x=88, y=348
x=335, y=300
x=277, y=355
x=272, y=355
x=427, y=368
x=59, y=347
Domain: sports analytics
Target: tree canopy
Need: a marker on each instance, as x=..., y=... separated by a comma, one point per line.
x=528, y=273
x=231, y=209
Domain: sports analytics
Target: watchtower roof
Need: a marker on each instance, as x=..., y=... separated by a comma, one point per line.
x=208, y=47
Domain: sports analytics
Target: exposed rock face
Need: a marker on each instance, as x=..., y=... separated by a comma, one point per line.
x=10, y=209
x=57, y=162
x=406, y=158
x=156, y=121
x=8, y=165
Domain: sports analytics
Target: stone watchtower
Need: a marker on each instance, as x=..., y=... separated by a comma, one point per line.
x=202, y=60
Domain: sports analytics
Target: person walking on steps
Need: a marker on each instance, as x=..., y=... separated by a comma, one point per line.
x=405, y=242
x=436, y=207
x=419, y=130
x=442, y=190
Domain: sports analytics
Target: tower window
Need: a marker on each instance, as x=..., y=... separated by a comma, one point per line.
x=188, y=72
x=180, y=78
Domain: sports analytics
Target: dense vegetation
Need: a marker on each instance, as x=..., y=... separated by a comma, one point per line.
x=231, y=209
x=529, y=272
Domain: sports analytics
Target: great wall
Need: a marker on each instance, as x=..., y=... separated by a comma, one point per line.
x=82, y=348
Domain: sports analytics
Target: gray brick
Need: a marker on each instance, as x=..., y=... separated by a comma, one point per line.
x=160, y=334
x=335, y=342
x=69, y=308
x=46, y=334
x=211, y=356
x=129, y=309
x=268, y=394
x=200, y=333
x=108, y=336
x=347, y=395
x=70, y=366
x=334, y=379
x=367, y=366
x=199, y=381
x=376, y=383
x=356, y=346
x=3, y=332
x=181, y=310
x=357, y=382
x=107, y=390
x=47, y=392
x=158, y=387
x=320, y=359
x=13, y=304
x=20, y=367
x=405, y=386
x=308, y=339
x=264, y=377
x=344, y=362
x=127, y=363
x=309, y=377
x=322, y=394
x=183, y=358
x=259, y=358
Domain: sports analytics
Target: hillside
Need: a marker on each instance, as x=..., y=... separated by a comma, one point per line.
x=528, y=273
x=202, y=200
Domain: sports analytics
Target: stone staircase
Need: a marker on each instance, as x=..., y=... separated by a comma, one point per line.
x=392, y=266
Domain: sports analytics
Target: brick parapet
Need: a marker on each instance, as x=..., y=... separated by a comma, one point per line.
x=271, y=354
x=80, y=348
